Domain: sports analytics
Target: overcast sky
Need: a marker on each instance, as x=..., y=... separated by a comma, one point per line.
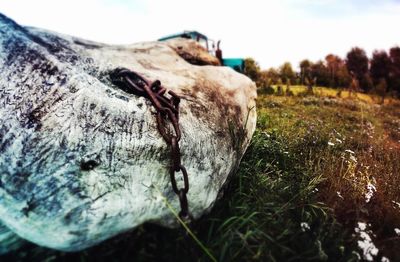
x=271, y=32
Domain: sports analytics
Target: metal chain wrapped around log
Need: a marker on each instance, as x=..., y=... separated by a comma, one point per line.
x=167, y=109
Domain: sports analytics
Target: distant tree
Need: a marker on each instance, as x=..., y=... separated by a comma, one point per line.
x=394, y=76
x=286, y=72
x=380, y=66
x=366, y=83
x=320, y=72
x=305, y=69
x=357, y=63
x=333, y=64
x=380, y=71
x=343, y=76
x=264, y=83
x=354, y=84
x=381, y=89
x=273, y=75
x=263, y=79
x=288, y=91
x=279, y=90
x=310, y=82
x=252, y=69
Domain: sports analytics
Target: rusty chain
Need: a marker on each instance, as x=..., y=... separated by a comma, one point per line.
x=167, y=110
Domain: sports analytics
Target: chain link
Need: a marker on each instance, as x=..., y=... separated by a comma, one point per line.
x=167, y=112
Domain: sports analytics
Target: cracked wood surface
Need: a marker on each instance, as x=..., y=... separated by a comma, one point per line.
x=82, y=160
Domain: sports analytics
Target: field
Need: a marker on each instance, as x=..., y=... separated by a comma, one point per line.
x=320, y=182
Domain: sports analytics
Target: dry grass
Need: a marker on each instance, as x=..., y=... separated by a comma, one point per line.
x=319, y=91
x=317, y=167
x=354, y=146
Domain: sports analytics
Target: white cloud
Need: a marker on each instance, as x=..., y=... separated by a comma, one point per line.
x=270, y=31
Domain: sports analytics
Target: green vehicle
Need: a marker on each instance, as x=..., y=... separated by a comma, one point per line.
x=235, y=63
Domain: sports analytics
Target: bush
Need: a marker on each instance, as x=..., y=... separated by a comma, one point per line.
x=268, y=90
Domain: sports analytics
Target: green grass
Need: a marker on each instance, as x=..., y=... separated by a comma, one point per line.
x=319, y=91
x=298, y=195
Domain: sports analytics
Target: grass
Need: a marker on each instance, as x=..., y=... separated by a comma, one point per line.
x=317, y=166
x=354, y=145
x=319, y=91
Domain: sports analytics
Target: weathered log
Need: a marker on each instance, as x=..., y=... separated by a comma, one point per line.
x=81, y=160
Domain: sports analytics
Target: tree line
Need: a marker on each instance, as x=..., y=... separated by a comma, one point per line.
x=379, y=74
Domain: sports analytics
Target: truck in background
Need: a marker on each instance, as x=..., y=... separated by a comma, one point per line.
x=236, y=63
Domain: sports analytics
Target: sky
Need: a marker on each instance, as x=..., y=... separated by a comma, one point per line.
x=271, y=32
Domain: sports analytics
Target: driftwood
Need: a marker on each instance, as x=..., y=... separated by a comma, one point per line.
x=81, y=160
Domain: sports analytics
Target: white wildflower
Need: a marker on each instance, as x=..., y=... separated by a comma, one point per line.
x=266, y=134
x=349, y=151
x=365, y=243
x=330, y=144
x=357, y=255
x=337, y=133
x=371, y=189
x=304, y=226
x=339, y=195
x=397, y=231
x=361, y=227
x=396, y=203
